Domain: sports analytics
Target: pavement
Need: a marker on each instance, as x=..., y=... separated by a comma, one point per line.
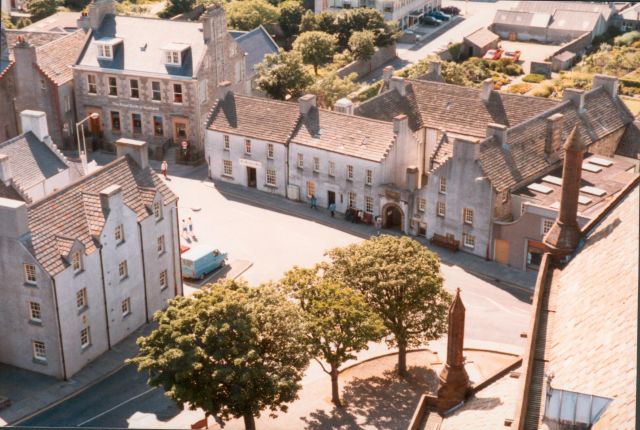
x=270, y=234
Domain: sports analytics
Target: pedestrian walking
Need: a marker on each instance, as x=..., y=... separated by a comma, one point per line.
x=332, y=209
x=378, y=225
x=185, y=233
x=190, y=225
x=314, y=202
x=164, y=168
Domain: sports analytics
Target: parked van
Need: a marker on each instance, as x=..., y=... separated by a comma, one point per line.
x=201, y=260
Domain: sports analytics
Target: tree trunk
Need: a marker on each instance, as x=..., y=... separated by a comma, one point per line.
x=249, y=421
x=315, y=69
x=335, y=390
x=402, y=360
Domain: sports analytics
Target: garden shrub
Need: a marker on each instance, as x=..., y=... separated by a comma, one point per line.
x=534, y=78
x=519, y=88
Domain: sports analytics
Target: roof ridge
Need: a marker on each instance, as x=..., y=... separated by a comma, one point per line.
x=366, y=118
x=66, y=36
x=14, y=139
x=80, y=180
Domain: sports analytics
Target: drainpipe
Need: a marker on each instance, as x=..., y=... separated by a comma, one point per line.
x=55, y=298
x=104, y=295
x=175, y=276
x=144, y=276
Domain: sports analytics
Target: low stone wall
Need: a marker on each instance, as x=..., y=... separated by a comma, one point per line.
x=577, y=46
x=382, y=56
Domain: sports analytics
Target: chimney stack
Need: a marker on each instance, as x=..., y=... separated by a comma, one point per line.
x=486, y=90
x=306, y=103
x=97, y=11
x=412, y=178
x=564, y=236
x=136, y=149
x=610, y=84
x=214, y=25
x=498, y=131
x=35, y=122
x=576, y=96
x=553, y=138
x=5, y=169
x=13, y=214
x=435, y=67
x=387, y=73
x=344, y=105
x=401, y=125
x=224, y=89
x=111, y=197
x=397, y=83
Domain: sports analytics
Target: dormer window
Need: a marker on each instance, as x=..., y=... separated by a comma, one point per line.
x=173, y=53
x=106, y=47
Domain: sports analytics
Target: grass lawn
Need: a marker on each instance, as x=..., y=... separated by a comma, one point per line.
x=633, y=104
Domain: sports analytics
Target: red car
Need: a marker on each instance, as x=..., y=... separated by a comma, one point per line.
x=493, y=54
x=512, y=55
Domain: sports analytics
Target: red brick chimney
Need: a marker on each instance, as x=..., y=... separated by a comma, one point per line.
x=454, y=381
x=563, y=237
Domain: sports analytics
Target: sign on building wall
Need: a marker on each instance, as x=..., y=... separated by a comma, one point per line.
x=249, y=163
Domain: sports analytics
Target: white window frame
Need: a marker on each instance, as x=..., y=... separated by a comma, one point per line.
x=85, y=337
x=225, y=142
x=109, y=86
x=467, y=216
x=123, y=270
x=157, y=210
x=270, y=177
x=158, y=91
x=81, y=298
x=368, y=204
x=35, y=312
x=316, y=164
x=368, y=179
x=160, y=245
x=178, y=93
x=468, y=240
x=92, y=87
x=442, y=185
x=349, y=172
x=422, y=204
x=39, y=350
x=227, y=168
x=172, y=58
x=136, y=89
x=332, y=168
x=353, y=199
x=125, y=306
x=543, y=225
x=164, y=279
x=441, y=209
x=29, y=273
x=76, y=262
x=300, y=163
x=247, y=146
x=270, y=150
x=105, y=51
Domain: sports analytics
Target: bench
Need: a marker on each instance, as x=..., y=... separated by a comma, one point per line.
x=445, y=242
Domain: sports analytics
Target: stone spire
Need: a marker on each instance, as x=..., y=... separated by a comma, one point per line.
x=454, y=381
x=563, y=237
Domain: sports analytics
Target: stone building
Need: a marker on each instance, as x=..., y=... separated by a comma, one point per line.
x=8, y=119
x=83, y=267
x=406, y=13
x=153, y=79
x=31, y=165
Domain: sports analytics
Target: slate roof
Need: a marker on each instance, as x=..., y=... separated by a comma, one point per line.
x=345, y=134
x=525, y=19
x=525, y=158
x=256, y=44
x=35, y=38
x=59, y=21
x=482, y=37
x=574, y=20
x=254, y=117
x=9, y=192
x=31, y=161
x=590, y=344
x=56, y=58
x=143, y=40
x=455, y=108
x=551, y=6
x=74, y=212
x=630, y=143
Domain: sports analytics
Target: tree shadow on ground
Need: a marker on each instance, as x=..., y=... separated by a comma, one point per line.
x=383, y=402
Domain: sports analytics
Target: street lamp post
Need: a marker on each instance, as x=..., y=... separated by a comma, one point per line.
x=82, y=151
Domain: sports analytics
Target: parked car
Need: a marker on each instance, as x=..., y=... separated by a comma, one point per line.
x=512, y=55
x=184, y=248
x=201, y=260
x=429, y=20
x=493, y=54
x=439, y=15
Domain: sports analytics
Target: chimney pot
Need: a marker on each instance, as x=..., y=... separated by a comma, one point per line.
x=486, y=90
x=137, y=149
x=306, y=102
x=576, y=96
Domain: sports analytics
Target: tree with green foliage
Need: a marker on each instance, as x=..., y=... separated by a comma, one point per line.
x=6, y=22
x=283, y=75
x=231, y=350
x=176, y=7
x=42, y=8
x=364, y=18
x=362, y=45
x=246, y=15
x=23, y=22
x=339, y=323
x=400, y=279
x=321, y=21
x=316, y=48
x=76, y=5
x=331, y=87
x=291, y=12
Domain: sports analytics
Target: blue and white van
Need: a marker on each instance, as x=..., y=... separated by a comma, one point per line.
x=201, y=260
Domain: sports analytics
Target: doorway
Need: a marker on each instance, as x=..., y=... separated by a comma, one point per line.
x=331, y=197
x=501, y=251
x=180, y=129
x=251, y=177
x=392, y=215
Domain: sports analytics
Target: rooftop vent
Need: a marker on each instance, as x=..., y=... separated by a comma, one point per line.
x=600, y=161
x=590, y=167
x=552, y=180
x=539, y=188
x=593, y=191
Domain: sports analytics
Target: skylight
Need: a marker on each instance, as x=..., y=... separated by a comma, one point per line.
x=552, y=180
x=591, y=168
x=594, y=191
x=575, y=409
x=600, y=161
x=539, y=188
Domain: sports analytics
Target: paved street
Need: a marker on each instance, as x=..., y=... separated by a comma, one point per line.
x=258, y=229
x=476, y=14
